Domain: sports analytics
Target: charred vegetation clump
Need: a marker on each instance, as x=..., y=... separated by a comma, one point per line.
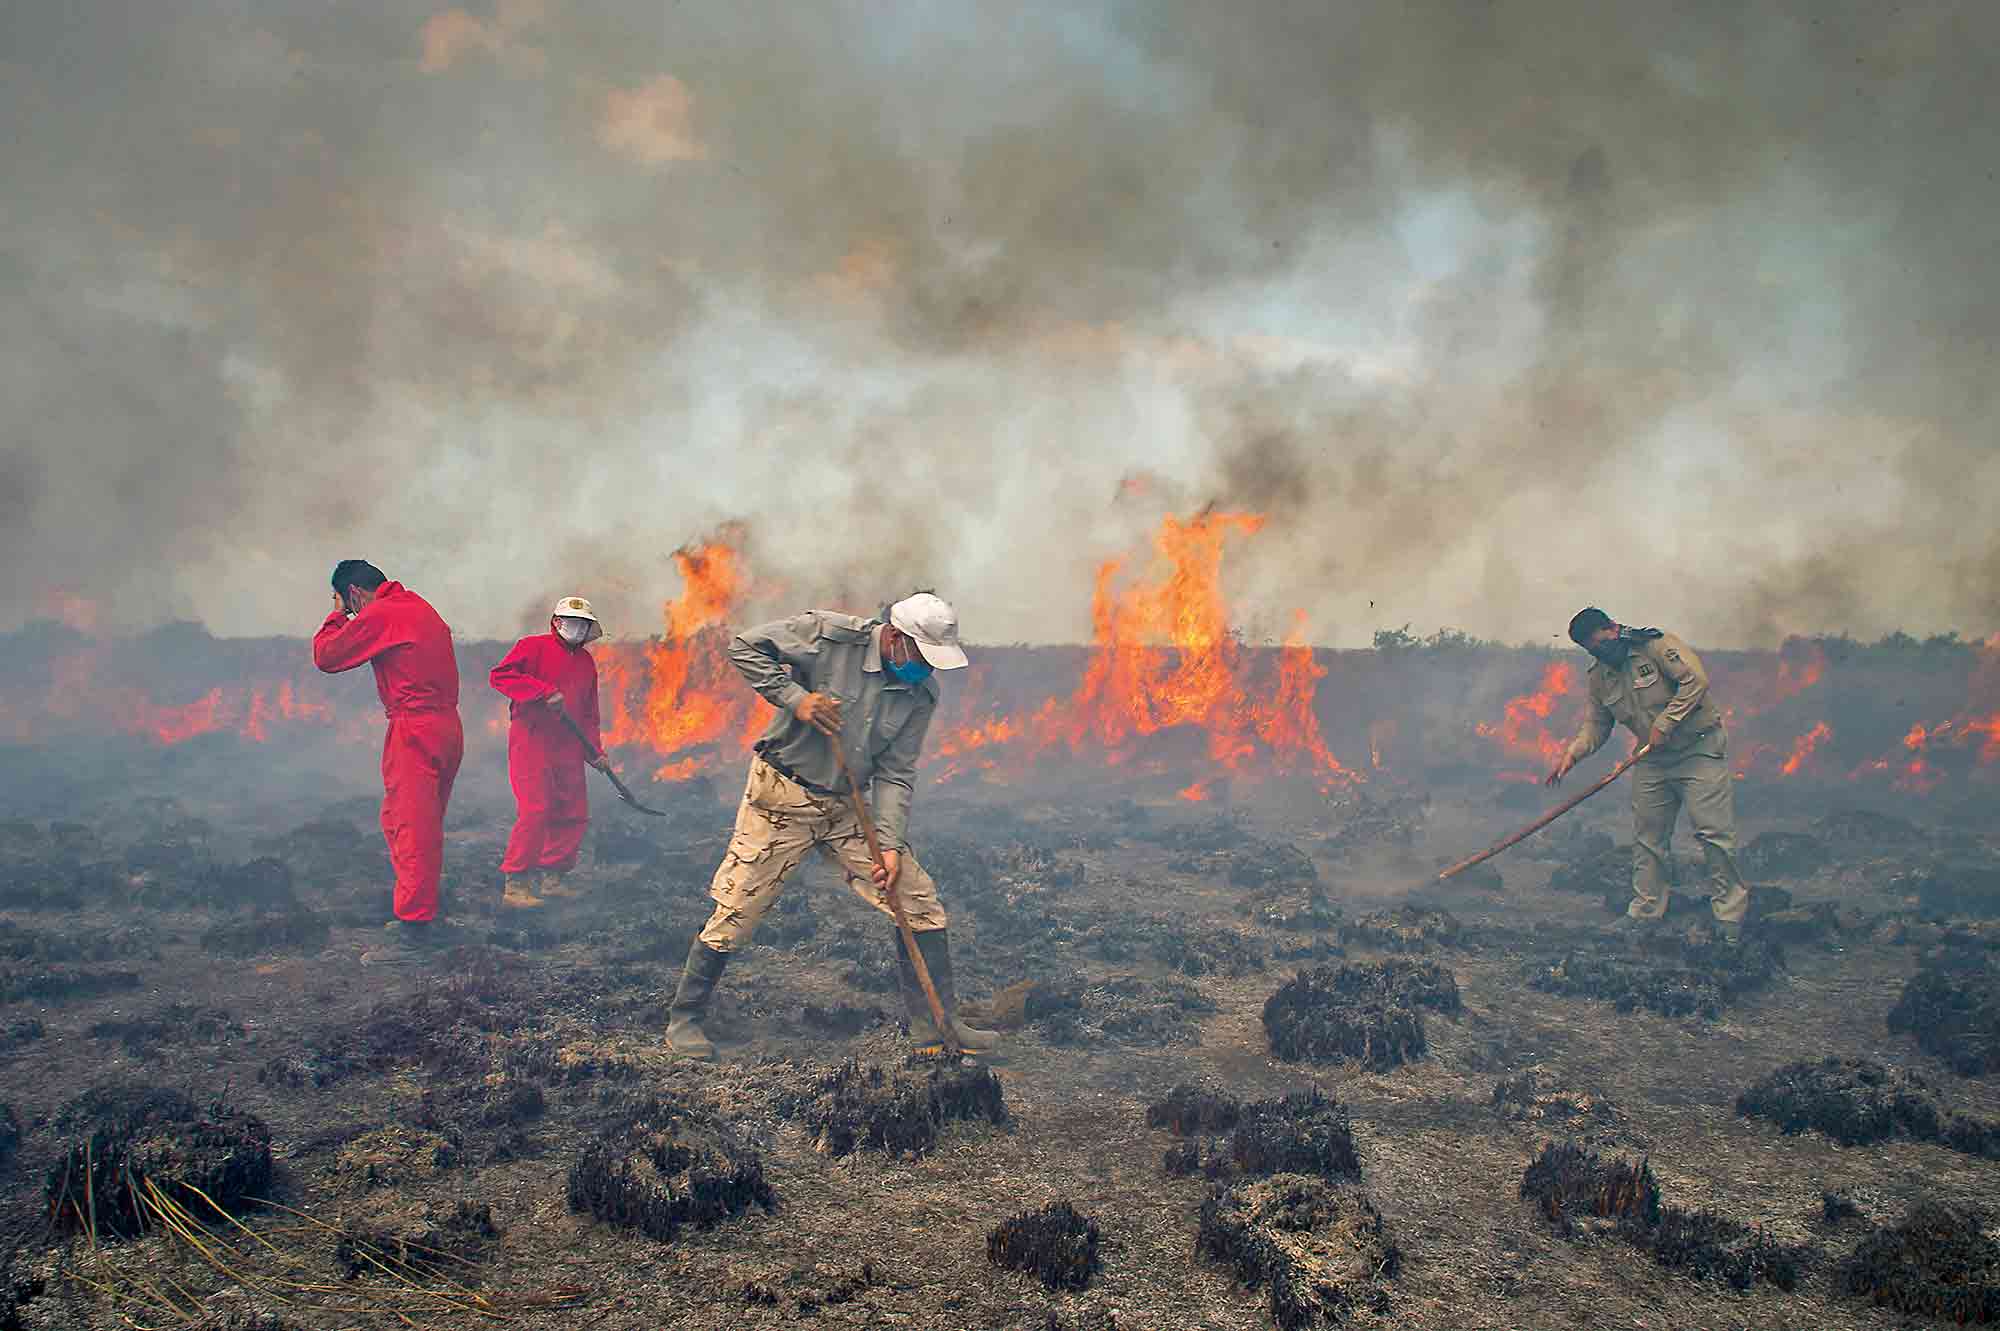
x=665, y=1168
x=1118, y=1009
x=1363, y=1012
x=1057, y=1245
x=423, y=1242
x=1305, y=1132
x=1677, y=979
x=1321, y=1250
x=853, y=1108
x=1567, y=1182
x=1537, y=1096
x=1955, y=1015
x=1188, y=1110
x=122, y=1140
x=1938, y=1262
x=1570, y=1186
x=1856, y=1102
x=297, y=930
x=1405, y=929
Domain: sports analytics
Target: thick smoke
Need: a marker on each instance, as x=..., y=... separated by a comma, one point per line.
x=1495, y=309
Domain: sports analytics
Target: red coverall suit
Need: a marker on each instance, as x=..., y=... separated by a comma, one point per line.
x=416, y=674
x=544, y=761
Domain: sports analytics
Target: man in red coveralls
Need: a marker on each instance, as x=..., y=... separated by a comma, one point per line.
x=383, y=624
x=544, y=677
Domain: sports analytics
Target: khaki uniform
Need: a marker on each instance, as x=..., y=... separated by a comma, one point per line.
x=780, y=821
x=795, y=800
x=1662, y=686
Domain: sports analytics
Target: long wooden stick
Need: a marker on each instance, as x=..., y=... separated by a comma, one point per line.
x=1548, y=817
x=946, y=1030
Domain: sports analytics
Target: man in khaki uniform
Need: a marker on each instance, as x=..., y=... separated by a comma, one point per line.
x=1653, y=684
x=865, y=685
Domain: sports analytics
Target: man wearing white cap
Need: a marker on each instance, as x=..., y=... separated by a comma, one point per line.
x=864, y=684
x=541, y=678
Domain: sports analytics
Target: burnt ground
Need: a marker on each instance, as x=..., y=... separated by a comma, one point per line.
x=442, y=1117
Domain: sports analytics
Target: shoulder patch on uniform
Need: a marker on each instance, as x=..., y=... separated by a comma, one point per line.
x=1673, y=655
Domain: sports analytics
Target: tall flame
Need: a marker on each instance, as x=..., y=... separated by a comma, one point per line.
x=1525, y=731
x=694, y=698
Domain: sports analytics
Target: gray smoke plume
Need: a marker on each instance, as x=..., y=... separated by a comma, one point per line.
x=1495, y=309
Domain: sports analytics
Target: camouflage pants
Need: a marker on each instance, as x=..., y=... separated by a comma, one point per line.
x=1700, y=781
x=778, y=822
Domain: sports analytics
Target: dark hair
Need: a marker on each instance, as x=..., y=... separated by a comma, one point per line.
x=1587, y=621
x=356, y=573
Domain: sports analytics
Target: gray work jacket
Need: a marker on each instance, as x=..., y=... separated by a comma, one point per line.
x=883, y=720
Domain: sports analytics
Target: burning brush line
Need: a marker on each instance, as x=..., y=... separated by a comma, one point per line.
x=1168, y=687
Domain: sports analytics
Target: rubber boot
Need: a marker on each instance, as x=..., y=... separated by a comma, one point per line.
x=684, y=1033
x=405, y=943
x=555, y=887
x=936, y=948
x=517, y=896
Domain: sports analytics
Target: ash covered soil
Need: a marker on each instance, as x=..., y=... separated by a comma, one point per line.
x=1260, y=1073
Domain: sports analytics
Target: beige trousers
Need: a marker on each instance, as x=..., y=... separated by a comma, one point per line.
x=1701, y=782
x=778, y=822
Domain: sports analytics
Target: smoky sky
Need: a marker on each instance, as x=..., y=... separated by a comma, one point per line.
x=1494, y=309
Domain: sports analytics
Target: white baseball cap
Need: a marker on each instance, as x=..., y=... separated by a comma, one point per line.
x=933, y=624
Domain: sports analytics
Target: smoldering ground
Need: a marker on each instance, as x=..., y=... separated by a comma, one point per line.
x=1498, y=308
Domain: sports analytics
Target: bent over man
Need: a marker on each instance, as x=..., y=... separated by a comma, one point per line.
x=385, y=625
x=865, y=685
x=1653, y=684
x=544, y=678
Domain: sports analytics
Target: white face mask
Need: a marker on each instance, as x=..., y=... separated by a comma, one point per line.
x=572, y=631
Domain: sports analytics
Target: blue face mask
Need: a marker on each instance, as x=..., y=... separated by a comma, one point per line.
x=916, y=672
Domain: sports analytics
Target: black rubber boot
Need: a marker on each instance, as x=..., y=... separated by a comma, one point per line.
x=936, y=948
x=684, y=1033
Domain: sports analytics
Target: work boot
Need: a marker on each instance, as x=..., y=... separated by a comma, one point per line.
x=1729, y=931
x=936, y=948
x=407, y=943
x=517, y=896
x=555, y=887
x=684, y=1033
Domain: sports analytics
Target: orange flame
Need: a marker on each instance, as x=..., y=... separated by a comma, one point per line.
x=1803, y=746
x=1525, y=732
x=694, y=698
x=1165, y=658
